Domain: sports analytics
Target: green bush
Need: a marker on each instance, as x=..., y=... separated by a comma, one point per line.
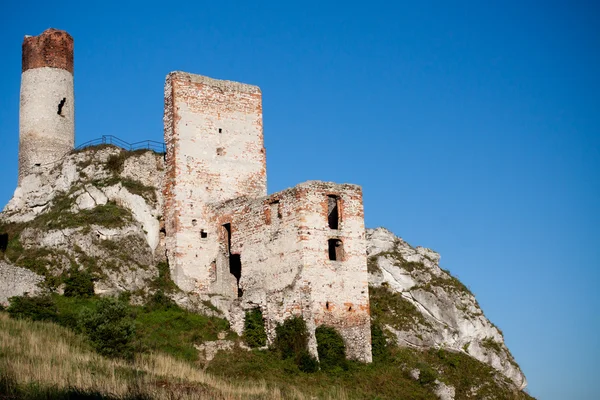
x=159, y=301
x=79, y=284
x=379, y=346
x=38, y=308
x=307, y=363
x=291, y=338
x=110, y=327
x=427, y=375
x=331, y=348
x=254, y=329
x=115, y=162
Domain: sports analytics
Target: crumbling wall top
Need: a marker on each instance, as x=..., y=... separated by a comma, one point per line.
x=52, y=48
x=216, y=83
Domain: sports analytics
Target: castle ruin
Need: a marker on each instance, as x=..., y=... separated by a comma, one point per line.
x=299, y=252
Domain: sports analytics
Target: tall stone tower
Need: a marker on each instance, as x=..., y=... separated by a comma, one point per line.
x=47, y=109
x=215, y=153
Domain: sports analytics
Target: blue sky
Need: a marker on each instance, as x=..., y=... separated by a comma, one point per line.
x=474, y=129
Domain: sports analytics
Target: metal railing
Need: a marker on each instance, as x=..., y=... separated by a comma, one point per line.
x=157, y=147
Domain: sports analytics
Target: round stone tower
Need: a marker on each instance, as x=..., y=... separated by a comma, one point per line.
x=47, y=110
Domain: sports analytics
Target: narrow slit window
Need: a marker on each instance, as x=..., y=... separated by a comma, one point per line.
x=3, y=242
x=335, y=249
x=220, y=130
x=333, y=212
x=235, y=261
x=61, y=105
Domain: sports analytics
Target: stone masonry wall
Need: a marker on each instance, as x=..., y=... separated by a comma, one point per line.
x=282, y=241
x=215, y=152
x=339, y=289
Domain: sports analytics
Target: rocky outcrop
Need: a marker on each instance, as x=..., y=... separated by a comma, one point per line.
x=98, y=209
x=446, y=312
x=16, y=281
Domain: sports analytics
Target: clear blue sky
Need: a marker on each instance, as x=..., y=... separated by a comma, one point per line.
x=474, y=129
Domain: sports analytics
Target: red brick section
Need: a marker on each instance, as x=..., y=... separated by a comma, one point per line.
x=53, y=48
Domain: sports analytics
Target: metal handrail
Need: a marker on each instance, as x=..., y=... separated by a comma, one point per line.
x=157, y=147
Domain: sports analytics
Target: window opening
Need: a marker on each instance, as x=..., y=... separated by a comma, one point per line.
x=235, y=261
x=3, y=242
x=333, y=214
x=275, y=209
x=203, y=234
x=37, y=165
x=220, y=130
x=335, y=249
x=61, y=105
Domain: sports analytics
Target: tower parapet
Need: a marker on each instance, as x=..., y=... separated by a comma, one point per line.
x=47, y=107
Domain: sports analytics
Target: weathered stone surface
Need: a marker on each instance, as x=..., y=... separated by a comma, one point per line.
x=126, y=255
x=455, y=320
x=16, y=281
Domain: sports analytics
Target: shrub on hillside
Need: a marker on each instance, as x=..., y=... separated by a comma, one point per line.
x=291, y=342
x=254, y=329
x=331, y=348
x=291, y=337
x=379, y=346
x=110, y=327
x=37, y=308
x=79, y=284
x=160, y=301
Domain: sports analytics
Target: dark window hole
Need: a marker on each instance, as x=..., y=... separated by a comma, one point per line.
x=327, y=305
x=203, y=234
x=61, y=105
x=335, y=249
x=333, y=214
x=235, y=261
x=3, y=242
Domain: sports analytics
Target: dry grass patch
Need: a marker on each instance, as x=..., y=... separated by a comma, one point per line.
x=46, y=356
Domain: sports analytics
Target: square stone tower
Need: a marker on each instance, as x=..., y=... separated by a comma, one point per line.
x=215, y=152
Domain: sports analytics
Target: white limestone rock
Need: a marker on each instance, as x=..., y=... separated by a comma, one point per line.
x=17, y=281
x=453, y=317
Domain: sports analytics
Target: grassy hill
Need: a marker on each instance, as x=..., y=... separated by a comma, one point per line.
x=46, y=360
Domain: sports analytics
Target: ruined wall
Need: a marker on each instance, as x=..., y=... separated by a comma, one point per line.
x=339, y=288
x=215, y=152
x=47, y=107
x=282, y=241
